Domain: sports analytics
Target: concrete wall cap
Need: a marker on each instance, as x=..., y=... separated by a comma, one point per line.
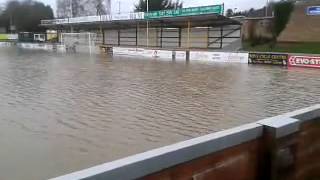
x=305, y=114
x=143, y=164
x=281, y=126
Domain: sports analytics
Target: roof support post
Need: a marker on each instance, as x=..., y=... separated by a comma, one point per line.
x=148, y=33
x=161, y=33
x=148, y=24
x=137, y=30
x=119, y=38
x=189, y=30
x=58, y=35
x=101, y=29
x=221, y=37
x=179, y=40
x=207, y=37
x=103, y=37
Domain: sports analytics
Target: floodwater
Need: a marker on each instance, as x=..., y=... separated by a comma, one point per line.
x=62, y=113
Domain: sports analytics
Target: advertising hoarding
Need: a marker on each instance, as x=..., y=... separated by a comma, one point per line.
x=193, y=11
x=268, y=58
x=226, y=57
x=304, y=61
x=313, y=11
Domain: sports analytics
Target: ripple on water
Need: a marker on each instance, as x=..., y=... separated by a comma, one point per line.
x=68, y=112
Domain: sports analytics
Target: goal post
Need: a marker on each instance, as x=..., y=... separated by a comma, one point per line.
x=79, y=42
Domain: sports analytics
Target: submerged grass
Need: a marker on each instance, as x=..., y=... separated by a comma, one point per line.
x=308, y=48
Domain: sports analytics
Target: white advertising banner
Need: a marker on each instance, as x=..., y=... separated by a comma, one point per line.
x=227, y=57
x=149, y=53
x=125, y=16
x=35, y=46
x=162, y=54
x=85, y=19
x=181, y=55
x=199, y=56
x=5, y=44
x=12, y=36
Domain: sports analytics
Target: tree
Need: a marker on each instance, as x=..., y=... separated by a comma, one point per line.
x=63, y=8
x=282, y=13
x=26, y=15
x=77, y=8
x=100, y=9
x=229, y=13
x=156, y=5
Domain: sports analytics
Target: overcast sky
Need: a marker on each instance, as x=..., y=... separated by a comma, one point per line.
x=128, y=5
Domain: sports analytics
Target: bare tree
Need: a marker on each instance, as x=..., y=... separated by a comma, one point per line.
x=76, y=8
x=100, y=8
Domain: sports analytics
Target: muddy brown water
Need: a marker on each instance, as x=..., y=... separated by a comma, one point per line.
x=62, y=113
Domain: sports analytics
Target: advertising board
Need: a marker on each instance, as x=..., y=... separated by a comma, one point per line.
x=313, y=11
x=84, y=19
x=226, y=57
x=5, y=44
x=268, y=58
x=140, y=52
x=192, y=11
x=180, y=55
x=304, y=61
x=5, y=37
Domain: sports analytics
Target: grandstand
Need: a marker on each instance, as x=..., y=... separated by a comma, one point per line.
x=188, y=28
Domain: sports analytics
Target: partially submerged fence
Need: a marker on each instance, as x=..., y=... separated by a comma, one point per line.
x=282, y=147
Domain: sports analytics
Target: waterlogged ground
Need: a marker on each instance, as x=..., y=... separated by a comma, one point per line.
x=61, y=113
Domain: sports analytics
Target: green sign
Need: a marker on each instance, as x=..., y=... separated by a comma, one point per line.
x=193, y=11
x=4, y=37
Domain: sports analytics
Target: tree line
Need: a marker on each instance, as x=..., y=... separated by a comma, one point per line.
x=24, y=16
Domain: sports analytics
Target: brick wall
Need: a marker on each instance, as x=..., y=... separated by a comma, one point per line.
x=240, y=162
x=301, y=27
x=257, y=28
x=308, y=151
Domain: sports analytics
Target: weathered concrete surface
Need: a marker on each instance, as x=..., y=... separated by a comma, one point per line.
x=257, y=28
x=301, y=27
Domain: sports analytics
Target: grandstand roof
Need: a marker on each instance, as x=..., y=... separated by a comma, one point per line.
x=208, y=20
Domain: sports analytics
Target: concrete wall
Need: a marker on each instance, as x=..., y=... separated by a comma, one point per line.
x=284, y=147
x=257, y=28
x=301, y=27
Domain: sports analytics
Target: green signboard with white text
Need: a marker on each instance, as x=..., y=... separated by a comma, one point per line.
x=193, y=11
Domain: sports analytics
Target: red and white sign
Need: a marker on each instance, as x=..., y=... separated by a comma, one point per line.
x=304, y=61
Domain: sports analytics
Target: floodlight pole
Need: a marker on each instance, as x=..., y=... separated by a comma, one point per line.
x=267, y=8
x=71, y=16
x=119, y=10
x=147, y=23
x=71, y=10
